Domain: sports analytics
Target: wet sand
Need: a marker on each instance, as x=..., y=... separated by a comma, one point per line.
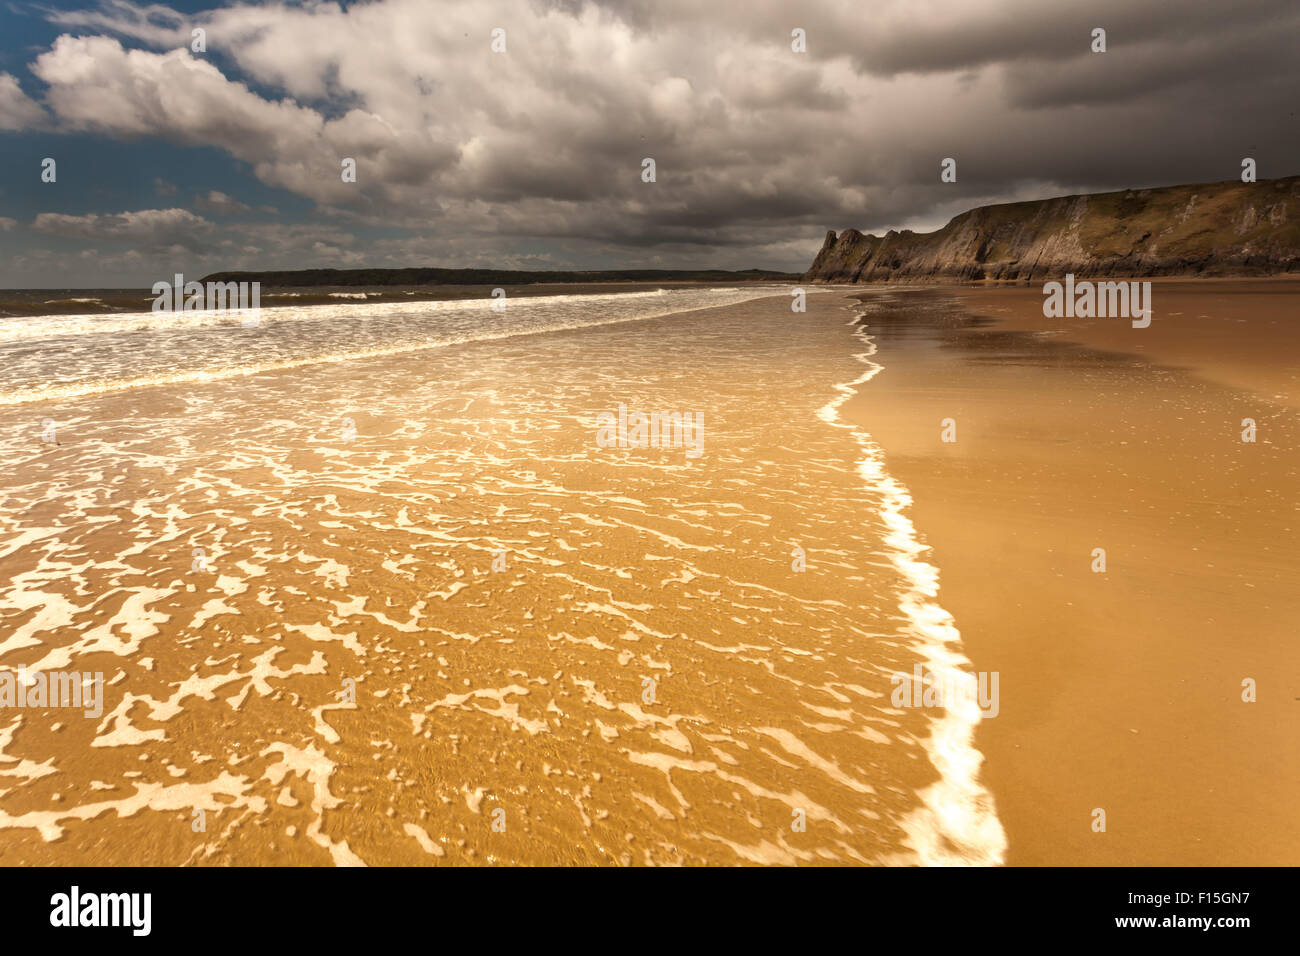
x=405, y=609
x=1240, y=332
x=1120, y=690
x=649, y=679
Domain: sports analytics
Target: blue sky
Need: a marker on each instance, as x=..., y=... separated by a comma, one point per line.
x=97, y=173
x=530, y=156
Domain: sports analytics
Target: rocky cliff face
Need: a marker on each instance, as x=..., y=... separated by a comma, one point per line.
x=1229, y=228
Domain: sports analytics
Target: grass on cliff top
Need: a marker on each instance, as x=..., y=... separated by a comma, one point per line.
x=1179, y=219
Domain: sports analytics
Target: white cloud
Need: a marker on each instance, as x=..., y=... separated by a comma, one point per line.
x=218, y=202
x=154, y=24
x=158, y=227
x=759, y=149
x=17, y=109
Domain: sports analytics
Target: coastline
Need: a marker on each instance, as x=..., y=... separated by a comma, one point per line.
x=20, y=303
x=957, y=822
x=723, y=706
x=1120, y=691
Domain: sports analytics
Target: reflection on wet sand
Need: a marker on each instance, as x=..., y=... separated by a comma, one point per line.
x=406, y=609
x=1121, y=690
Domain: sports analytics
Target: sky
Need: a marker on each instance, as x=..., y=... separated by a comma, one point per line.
x=531, y=155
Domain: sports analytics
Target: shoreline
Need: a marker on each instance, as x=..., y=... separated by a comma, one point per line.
x=73, y=391
x=109, y=302
x=1120, y=690
x=348, y=521
x=956, y=811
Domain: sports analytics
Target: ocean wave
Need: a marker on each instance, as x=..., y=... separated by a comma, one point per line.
x=59, y=326
x=957, y=821
x=526, y=316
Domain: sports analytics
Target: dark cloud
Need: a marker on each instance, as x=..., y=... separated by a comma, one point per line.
x=535, y=154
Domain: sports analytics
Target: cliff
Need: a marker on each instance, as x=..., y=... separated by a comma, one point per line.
x=1224, y=229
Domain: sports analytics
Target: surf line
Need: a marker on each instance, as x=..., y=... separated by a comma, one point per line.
x=957, y=822
x=205, y=376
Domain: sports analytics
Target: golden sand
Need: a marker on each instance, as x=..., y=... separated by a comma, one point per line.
x=1120, y=690
x=405, y=609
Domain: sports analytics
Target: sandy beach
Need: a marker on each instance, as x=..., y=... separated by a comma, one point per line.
x=365, y=585
x=1121, y=690
x=593, y=435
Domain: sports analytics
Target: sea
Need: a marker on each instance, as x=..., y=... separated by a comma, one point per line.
x=366, y=583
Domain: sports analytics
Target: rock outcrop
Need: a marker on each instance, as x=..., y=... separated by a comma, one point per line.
x=1211, y=229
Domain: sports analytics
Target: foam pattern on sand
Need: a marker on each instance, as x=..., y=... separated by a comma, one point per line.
x=341, y=676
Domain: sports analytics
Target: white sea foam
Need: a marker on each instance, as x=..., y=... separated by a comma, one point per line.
x=369, y=558
x=957, y=822
x=98, y=323
x=393, y=328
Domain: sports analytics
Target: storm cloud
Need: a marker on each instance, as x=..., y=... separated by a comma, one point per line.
x=533, y=156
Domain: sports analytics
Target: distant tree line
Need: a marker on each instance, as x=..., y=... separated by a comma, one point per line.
x=500, y=277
